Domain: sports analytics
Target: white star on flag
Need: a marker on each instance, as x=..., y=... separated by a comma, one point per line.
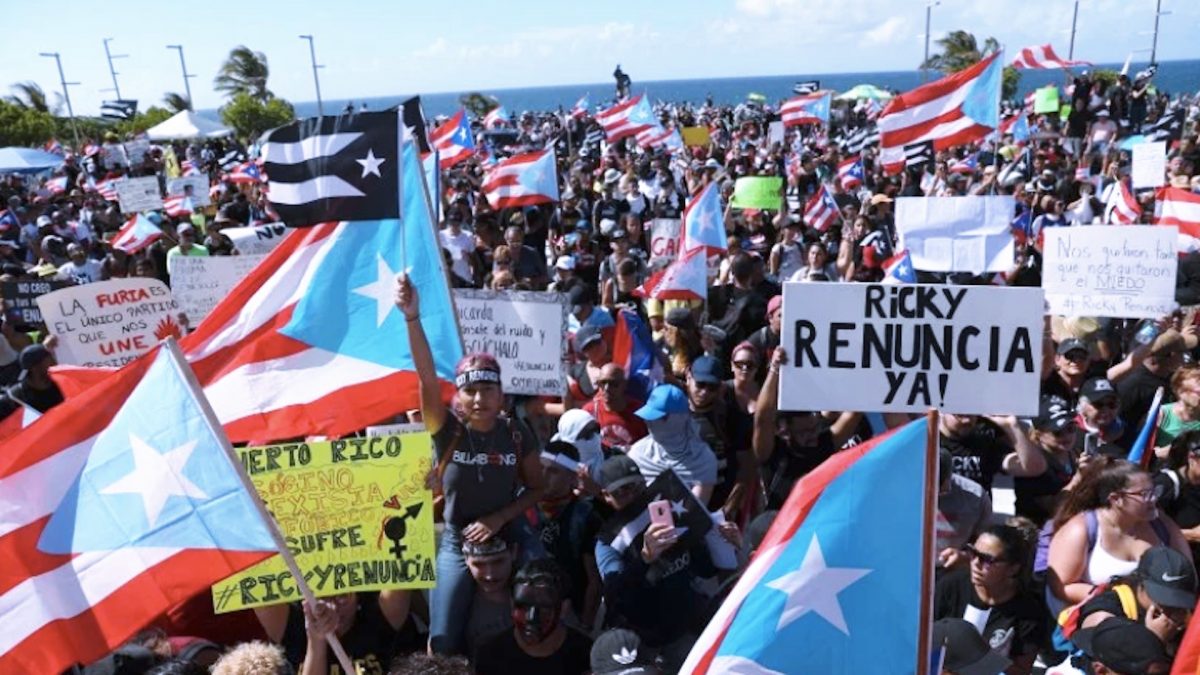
x=370, y=163
x=678, y=508
x=815, y=588
x=156, y=476
x=379, y=290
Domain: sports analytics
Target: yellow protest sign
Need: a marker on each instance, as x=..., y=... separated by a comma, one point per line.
x=693, y=136
x=355, y=513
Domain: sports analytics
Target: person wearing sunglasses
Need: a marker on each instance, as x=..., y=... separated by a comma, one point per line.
x=1100, y=421
x=993, y=594
x=726, y=429
x=744, y=385
x=1072, y=359
x=1180, y=485
x=614, y=408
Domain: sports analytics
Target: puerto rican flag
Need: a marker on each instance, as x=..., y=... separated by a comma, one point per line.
x=950, y=112
x=684, y=279
x=17, y=420
x=580, y=109
x=898, y=269
x=496, y=117
x=658, y=137
x=105, y=188
x=806, y=109
x=627, y=119
x=850, y=173
x=821, y=210
x=633, y=350
x=1017, y=125
x=966, y=166
x=188, y=168
x=453, y=140
x=136, y=234
x=178, y=206
x=704, y=222
x=246, y=173
x=1121, y=207
x=1043, y=56
x=122, y=503
x=57, y=185
x=523, y=180
x=1178, y=207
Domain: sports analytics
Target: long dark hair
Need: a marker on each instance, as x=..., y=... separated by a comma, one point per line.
x=1016, y=549
x=1098, y=480
x=1177, y=456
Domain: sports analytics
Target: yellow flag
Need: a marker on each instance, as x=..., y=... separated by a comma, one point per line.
x=171, y=163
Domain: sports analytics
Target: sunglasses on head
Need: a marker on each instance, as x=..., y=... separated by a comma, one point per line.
x=984, y=558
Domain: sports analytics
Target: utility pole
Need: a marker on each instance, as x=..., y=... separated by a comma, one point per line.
x=1074, y=22
x=312, y=54
x=113, y=71
x=928, y=15
x=1154, y=45
x=66, y=94
x=187, y=87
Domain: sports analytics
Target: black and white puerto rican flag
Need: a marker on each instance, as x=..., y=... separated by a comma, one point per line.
x=345, y=167
x=692, y=521
x=918, y=154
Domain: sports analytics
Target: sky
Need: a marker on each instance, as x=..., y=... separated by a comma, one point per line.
x=384, y=48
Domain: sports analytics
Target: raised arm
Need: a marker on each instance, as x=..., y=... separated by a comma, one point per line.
x=433, y=409
x=763, y=439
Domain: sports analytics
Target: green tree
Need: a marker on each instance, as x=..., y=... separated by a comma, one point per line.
x=960, y=50
x=31, y=97
x=24, y=126
x=176, y=102
x=478, y=104
x=244, y=72
x=1106, y=75
x=249, y=117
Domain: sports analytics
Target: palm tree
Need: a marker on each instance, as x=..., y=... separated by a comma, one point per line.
x=176, y=102
x=960, y=50
x=30, y=96
x=245, y=71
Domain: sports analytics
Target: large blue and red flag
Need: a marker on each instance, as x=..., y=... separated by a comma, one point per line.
x=838, y=584
x=1142, y=450
x=453, y=140
x=580, y=109
x=633, y=350
x=704, y=223
x=118, y=505
x=806, y=109
x=684, y=279
x=523, y=180
x=820, y=211
x=851, y=173
x=628, y=118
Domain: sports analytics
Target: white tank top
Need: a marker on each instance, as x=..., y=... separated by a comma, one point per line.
x=1103, y=565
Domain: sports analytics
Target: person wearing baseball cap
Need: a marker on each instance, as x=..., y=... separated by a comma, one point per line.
x=1122, y=647
x=1099, y=405
x=674, y=442
x=766, y=339
x=965, y=651
x=1054, y=432
x=621, y=652
x=1072, y=358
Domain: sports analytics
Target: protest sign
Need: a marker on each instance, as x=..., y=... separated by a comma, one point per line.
x=21, y=299
x=1045, y=100
x=909, y=347
x=696, y=136
x=758, y=192
x=775, y=132
x=110, y=323
x=393, y=429
x=257, y=239
x=114, y=155
x=199, y=283
x=199, y=189
x=1124, y=272
x=957, y=234
x=1149, y=165
x=355, y=513
x=664, y=239
x=138, y=194
x=136, y=151
x=525, y=330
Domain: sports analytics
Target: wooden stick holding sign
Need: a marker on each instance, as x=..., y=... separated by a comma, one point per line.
x=284, y=553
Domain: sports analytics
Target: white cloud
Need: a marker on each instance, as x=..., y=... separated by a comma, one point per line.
x=888, y=32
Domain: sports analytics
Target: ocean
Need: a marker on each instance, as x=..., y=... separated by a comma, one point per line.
x=1172, y=76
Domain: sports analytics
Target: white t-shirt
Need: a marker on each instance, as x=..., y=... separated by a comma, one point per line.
x=460, y=246
x=87, y=272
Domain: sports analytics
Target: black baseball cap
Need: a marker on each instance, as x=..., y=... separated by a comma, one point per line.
x=585, y=336
x=1096, y=389
x=1123, y=646
x=618, y=471
x=966, y=652
x=1053, y=415
x=706, y=369
x=1168, y=577
x=621, y=651
x=1070, y=345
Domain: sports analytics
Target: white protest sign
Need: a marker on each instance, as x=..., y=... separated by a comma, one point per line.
x=136, y=151
x=199, y=189
x=1125, y=272
x=525, y=330
x=200, y=282
x=1149, y=165
x=956, y=234
x=138, y=194
x=909, y=347
x=114, y=155
x=110, y=323
x=257, y=239
x=664, y=239
x=775, y=132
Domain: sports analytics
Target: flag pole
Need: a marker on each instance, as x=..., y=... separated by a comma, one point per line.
x=929, y=513
x=288, y=559
x=433, y=225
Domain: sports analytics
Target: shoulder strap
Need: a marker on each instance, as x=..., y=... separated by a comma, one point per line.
x=1175, y=486
x=1160, y=528
x=1093, y=529
x=1129, y=603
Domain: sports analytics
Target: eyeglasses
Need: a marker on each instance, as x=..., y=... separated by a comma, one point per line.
x=745, y=365
x=707, y=386
x=1076, y=355
x=1110, y=403
x=1147, y=495
x=986, y=559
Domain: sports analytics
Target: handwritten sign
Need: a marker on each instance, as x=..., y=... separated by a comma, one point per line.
x=1126, y=272
x=258, y=239
x=110, y=323
x=21, y=298
x=114, y=155
x=1149, y=165
x=138, y=194
x=907, y=347
x=526, y=331
x=664, y=239
x=775, y=132
x=198, y=189
x=136, y=151
x=199, y=283
x=355, y=513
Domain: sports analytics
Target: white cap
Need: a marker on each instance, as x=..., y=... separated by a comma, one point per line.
x=612, y=176
x=565, y=262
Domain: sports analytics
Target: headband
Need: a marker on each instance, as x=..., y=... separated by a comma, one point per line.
x=561, y=460
x=473, y=376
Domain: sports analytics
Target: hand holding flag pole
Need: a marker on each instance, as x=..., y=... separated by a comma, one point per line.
x=288, y=559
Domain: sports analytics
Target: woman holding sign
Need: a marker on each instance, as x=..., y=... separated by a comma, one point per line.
x=487, y=472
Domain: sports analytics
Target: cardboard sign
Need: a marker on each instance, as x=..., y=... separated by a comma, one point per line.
x=758, y=192
x=1125, y=272
x=525, y=330
x=110, y=323
x=21, y=299
x=257, y=239
x=199, y=283
x=909, y=347
x=775, y=132
x=355, y=513
x=199, y=188
x=664, y=239
x=696, y=136
x=138, y=194
x=956, y=234
x=136, y=151
x=1149, y=165
x=114, y=155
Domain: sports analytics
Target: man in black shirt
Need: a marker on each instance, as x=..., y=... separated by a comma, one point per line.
x=723, y=425
x=1137, y=389
x=35, y=388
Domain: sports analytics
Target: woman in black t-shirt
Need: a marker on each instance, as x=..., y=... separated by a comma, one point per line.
x=487, y=473
x=1180, y=486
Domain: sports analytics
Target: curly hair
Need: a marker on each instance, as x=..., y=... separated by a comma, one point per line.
x=253, y=658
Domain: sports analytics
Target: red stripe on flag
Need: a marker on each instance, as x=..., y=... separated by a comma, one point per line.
x=22, y=559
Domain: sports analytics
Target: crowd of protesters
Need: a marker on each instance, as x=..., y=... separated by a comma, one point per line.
x=1093, y=569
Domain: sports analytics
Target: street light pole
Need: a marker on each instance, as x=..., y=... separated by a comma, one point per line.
x=66, y=94
x=928, y=15
x=1074, y=21
x=113, y=71
x=187, y=87
x=1154, y=45
x=312, y=54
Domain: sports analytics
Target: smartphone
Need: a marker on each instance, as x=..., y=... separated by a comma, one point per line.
x=660, y=513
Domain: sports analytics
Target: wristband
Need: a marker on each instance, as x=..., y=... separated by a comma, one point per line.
x=411, y=319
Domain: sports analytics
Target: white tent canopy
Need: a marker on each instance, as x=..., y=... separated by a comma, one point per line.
x=187, y=124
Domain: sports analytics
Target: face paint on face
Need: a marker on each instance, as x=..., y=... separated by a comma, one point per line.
x=535, y=612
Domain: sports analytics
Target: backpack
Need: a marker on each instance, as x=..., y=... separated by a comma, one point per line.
x=1069, y=618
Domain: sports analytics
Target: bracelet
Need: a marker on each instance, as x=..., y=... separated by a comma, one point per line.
x=411, y=319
